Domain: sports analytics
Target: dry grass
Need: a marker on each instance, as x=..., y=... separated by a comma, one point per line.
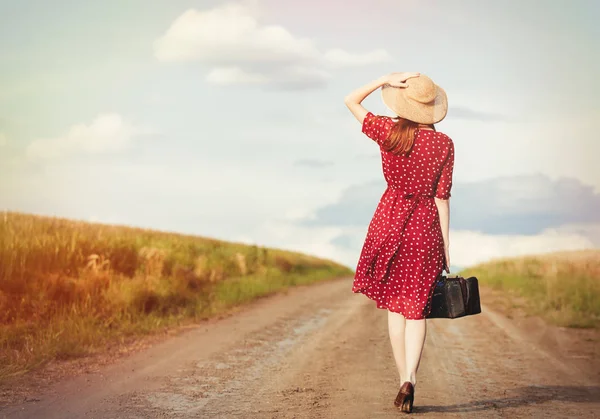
x=562, y=287
x=70, y=288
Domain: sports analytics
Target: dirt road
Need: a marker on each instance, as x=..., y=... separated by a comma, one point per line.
x=323, y=352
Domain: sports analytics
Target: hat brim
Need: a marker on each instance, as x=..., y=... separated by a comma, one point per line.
x=424, y=113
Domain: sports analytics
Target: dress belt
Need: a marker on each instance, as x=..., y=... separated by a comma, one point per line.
x=387, y=247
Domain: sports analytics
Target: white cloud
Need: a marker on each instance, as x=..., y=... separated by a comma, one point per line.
x=589, y=230
x=243, y=51
x=230, y=34
x=106, y=133
x=471, y=247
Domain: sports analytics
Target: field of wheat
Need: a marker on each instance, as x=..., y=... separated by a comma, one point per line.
x=70, y=288
x=563, y=287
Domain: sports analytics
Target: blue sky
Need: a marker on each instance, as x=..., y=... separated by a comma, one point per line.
x=226, y=119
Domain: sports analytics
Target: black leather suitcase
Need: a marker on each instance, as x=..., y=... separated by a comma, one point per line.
x=454, y=297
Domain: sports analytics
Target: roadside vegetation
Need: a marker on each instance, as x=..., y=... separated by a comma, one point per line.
x=71, y=288
x=563, y=288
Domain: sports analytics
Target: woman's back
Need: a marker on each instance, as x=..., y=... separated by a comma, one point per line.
x=426, y=170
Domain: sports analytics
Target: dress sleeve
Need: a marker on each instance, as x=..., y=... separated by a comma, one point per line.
x=376, y=128
x=444, y=185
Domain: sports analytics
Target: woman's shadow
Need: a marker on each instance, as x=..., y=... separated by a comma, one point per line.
x=523, y=396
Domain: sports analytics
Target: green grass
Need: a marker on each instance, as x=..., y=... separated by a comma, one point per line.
x=70, y=288
x=563, y=288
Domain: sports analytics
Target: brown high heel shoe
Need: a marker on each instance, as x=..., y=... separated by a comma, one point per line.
x=406, y=395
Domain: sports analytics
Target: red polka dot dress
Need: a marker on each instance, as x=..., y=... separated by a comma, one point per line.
x=403, y=253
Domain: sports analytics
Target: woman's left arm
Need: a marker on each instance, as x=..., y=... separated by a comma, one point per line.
x=354, y=99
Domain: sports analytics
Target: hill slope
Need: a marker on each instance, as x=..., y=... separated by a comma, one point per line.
x=70, y=288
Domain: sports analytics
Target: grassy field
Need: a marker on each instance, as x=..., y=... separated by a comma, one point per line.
x=563, y=288
x=71, y=288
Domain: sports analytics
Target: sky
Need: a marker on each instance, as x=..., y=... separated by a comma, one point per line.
x=227, y=119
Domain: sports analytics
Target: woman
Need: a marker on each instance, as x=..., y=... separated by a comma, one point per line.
x=407, y=245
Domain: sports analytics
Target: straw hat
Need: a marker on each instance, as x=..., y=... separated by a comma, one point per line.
x=421, y=101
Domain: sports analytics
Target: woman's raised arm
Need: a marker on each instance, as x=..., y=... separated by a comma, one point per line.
x=353, y=100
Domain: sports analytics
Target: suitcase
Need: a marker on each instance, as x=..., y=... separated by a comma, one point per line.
x=454, y=297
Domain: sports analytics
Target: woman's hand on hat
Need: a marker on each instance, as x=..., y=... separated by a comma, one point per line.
x=399, y=79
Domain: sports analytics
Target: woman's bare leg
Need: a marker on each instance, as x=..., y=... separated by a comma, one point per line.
x=415, y=333
x=396, y=326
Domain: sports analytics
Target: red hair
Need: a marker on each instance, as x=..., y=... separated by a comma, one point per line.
x=402, y=135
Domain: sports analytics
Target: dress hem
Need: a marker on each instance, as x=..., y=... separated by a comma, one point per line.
x=426, y=309
x=384, y=307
